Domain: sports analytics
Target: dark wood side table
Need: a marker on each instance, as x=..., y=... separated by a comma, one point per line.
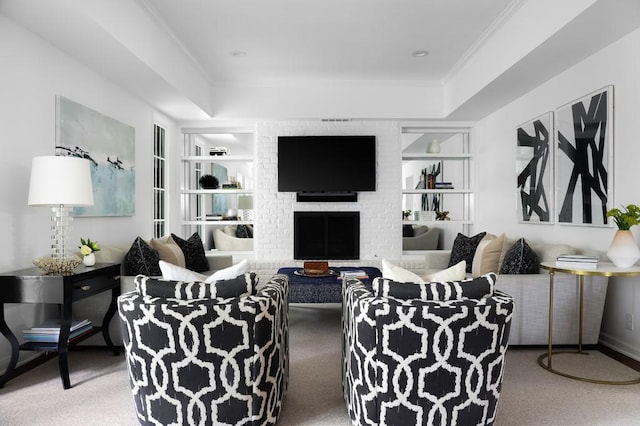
x=33, y=285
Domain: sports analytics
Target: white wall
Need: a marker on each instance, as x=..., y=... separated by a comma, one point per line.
x=619, y=65
x=33, y=73
x=380, y=224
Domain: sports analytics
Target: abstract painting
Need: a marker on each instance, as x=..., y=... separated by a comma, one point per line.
x=534, y=166
x=584, y=159
x=109, y=145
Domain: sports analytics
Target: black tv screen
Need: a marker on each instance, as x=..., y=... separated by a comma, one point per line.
x=326, y=163
x=326, y=235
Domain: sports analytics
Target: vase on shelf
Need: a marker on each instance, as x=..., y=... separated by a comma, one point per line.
x=623, y=251
x=89, y=260
x=433, y=147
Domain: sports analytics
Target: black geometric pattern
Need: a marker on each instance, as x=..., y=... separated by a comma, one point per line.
x=417, y=362
x=208, y=361
x=242, y=285
x=472, y=288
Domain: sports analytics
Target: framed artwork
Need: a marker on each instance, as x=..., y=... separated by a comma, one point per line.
x=584, y=159
x=110, y=147
x=534, y=168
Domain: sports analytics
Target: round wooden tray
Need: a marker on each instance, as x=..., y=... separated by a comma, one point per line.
x=301, y=273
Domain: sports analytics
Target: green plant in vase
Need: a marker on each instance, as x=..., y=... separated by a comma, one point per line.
x=406, y=214
x=624, y=251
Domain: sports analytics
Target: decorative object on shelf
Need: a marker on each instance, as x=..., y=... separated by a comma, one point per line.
x=624, y=251
x=87, y=249
x=231, y=185
x=232, y=213
x=433, y=147
x=209, y=182
x=61, y=183
x=406, y=214
x=219, y=150
x=245, y=205
x=442, y=215
x=584, y=153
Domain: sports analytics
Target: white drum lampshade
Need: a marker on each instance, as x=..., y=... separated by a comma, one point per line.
x=61, y=183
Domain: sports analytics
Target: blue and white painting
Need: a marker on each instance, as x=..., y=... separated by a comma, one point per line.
x=110, y=147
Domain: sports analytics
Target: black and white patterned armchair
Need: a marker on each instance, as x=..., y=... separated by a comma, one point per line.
x=203, y=354
x=424, y=354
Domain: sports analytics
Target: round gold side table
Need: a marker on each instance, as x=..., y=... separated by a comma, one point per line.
x=603, y=269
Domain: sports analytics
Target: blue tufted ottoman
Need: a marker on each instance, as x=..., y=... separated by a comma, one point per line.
x=304, y=289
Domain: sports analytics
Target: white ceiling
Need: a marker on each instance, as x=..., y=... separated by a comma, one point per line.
x=327, y=40
x=327, y=58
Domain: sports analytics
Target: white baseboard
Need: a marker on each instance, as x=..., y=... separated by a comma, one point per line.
x=619, y=346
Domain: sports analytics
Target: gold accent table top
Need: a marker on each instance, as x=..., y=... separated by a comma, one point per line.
x=604, y=268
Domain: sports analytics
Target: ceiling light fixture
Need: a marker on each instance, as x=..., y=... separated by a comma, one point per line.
x=238, y=53
x=420, y=53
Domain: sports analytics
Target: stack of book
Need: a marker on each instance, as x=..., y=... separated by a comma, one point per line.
x=355, y=274
x=444, y=185
x=577, y=261
x=49, y=331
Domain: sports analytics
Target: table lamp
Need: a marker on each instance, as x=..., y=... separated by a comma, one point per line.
x=245, y=203
x=61, y=183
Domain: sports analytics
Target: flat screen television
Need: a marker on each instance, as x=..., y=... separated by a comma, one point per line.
x=326, y=163
x=326, y=235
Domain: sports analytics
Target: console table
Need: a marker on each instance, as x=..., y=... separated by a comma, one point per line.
x=603, y=269
x=311, y=289
x=33, y=285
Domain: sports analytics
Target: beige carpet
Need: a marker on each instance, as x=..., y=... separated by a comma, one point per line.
x=530, y=395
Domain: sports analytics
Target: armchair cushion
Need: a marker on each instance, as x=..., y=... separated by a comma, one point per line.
x=177, y=273
x=473, y=288
x=242, y=285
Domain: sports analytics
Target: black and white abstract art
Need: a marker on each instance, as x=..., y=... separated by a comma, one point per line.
x=534, y=166
x=584, y=159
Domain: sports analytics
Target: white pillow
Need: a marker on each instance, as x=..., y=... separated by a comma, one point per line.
x=177, y=273
x=456, y=272
x=396, y=273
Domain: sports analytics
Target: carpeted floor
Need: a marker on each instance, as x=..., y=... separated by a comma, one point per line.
x=530, y=396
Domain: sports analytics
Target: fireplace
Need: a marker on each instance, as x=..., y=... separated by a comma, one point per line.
x=326, y=235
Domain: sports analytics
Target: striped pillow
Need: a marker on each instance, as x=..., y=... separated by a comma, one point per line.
x=242, y=285
x=472, y=288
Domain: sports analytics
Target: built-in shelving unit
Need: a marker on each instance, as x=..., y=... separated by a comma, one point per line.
x=200, y=205
x=455, y=165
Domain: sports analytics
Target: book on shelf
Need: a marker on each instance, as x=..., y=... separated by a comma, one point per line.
x=355, y=274
x=49, y=331
x=444, y=185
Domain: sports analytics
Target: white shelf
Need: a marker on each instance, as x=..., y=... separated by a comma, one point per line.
x=414, y=157
x=437, y=191
x=216, y=158
x=217, y=191
x=217, y=222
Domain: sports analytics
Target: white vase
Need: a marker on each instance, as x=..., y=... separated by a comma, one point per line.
x=89, y=260
x=433, y=147
x=623, y=251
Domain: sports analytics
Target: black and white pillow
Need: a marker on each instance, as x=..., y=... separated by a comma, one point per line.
x=407, y=230
x=142, y=259
x=194, y=256
x=520, y=259
x=472, y=288
x=464, y=248
x=242, y=285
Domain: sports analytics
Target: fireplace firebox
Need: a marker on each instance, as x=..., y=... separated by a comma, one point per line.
x=326, y=235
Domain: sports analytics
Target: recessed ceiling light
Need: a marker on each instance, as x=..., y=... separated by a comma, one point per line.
x=420, y=53
x=238, y=53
